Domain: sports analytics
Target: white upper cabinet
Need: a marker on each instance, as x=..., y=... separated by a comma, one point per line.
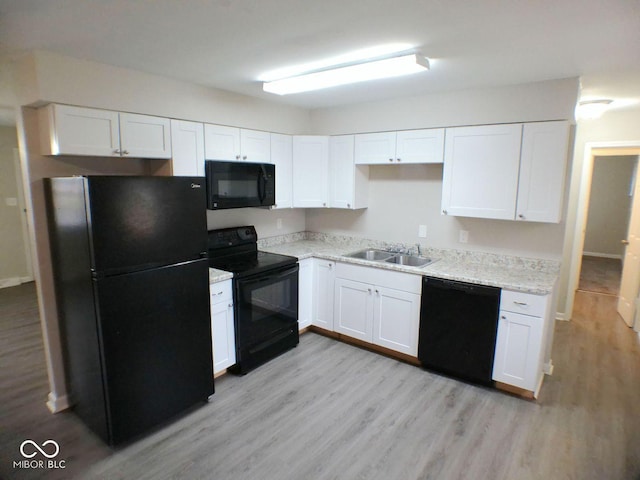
x=410, y=146
x=510, y=172
x=221, y=142
x=187, y=146
x=543, y=163
x=348, y=183
x=480, y=177
x=420, y=146
x=310, y=171
x=69, y=130
x=236, y=144
x=255, y=146
x=282, y=157
x=375, y=148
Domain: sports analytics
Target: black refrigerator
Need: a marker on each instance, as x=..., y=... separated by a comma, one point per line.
x=132, y=289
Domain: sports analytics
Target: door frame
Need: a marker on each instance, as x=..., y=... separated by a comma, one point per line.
x=591, y=150
x=23, y=216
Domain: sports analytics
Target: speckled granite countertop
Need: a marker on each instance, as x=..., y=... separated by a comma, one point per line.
x=216, y=275
x=525, y=275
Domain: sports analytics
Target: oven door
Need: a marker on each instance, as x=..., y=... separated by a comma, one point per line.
x=239, y=184
x=266, y=304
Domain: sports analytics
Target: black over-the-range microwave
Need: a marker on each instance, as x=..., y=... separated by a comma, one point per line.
x=240, y=184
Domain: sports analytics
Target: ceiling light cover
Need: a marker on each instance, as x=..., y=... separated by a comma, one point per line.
x=592, y=109
x=377, y=69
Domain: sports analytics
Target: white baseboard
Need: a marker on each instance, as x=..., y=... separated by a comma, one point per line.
x=548, y=368
x=14, y=281
x=57, y=404
x=602, y=255
x=561, y=316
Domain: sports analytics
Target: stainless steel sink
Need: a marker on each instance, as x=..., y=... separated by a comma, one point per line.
x=371, y=254
x=410, y=260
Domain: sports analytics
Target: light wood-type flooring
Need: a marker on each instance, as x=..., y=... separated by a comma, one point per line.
x=600, y=275
x=327, y=410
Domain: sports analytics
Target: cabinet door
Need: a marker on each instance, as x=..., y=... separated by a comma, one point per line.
x=375, y=148
x=542, y=171
x=223, y=333
x=353, y=309
x=396, y=320
x=481, y=171
x=282, y=157
x=187, y=146
x=144, y=136
x=341, y=172
x=305, y=293
x=255, y=146
x=518, y=350
x=323, y=289
x=420, y=146
x=310, y=171
x=221, y=142
x=79, y=131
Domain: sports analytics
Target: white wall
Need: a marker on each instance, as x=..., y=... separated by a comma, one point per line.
x=609, y=205
x=614, y=126
x=401, y=197
x=13, y=260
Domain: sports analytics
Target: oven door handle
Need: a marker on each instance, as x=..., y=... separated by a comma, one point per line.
x=269, y=278
x=262, y=184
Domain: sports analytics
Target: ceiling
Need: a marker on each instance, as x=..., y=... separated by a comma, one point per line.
x=228, y=44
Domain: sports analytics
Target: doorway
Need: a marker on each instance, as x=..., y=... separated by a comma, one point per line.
x=608, y=216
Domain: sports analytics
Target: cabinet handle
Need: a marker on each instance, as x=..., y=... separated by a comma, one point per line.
x=377, y=292
x=324, y=204
x=237, y=157
x=348, y=205
x=330, y=265
x=116, y=151
x=244, y=158
x=125, y=152
x=503, y=317
x=444, y=212
x=399, y=160
x=522, y=304
x=520, y=216
x=219, y=293
x=391, y=159
x=369, y=290
x=230, y=305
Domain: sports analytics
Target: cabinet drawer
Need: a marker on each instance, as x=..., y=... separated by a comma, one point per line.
x=525, y=303
x=220, y=292
x=378, y=276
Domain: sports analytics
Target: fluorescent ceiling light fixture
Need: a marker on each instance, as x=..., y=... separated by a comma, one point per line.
x=342, y=75
x=592, y=109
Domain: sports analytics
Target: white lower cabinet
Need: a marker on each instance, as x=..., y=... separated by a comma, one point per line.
x=305, y=293
x=378, y=306
x=519, y=343
x=323, y=286
x=222, y=326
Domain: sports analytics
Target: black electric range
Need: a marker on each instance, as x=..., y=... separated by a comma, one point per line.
x=265, y=293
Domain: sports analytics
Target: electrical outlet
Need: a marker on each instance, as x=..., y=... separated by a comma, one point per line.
x=11, y=201
x=464, y=236
x=279, y=224
x=422, y=231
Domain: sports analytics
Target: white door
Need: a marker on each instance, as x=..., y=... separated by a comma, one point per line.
x=375, y=148
x=630, y=283
x=187, y=146
x=480, y=176
x=542, y=171
x=353, y=309
x=145, y=136
x=255, y=146
x=341, y=172
x=84, y=131
x=282, y=158
x=221, y=143
x=396, y=320
x=420, y=146
x=323, y=289
x=310, y=171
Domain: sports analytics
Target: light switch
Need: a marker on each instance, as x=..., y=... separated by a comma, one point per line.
x=279, y=224
x=464, y=236
x=422, y=231
x=11, y=201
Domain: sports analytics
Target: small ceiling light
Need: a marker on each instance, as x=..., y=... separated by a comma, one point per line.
x=345, y=74
x=592, y=109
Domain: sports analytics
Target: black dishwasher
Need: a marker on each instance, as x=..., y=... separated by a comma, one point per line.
x=458, y=326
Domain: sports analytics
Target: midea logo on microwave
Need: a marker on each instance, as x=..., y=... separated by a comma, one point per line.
x=195, y=185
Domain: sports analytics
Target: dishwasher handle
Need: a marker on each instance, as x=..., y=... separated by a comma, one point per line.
x=469, y=288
